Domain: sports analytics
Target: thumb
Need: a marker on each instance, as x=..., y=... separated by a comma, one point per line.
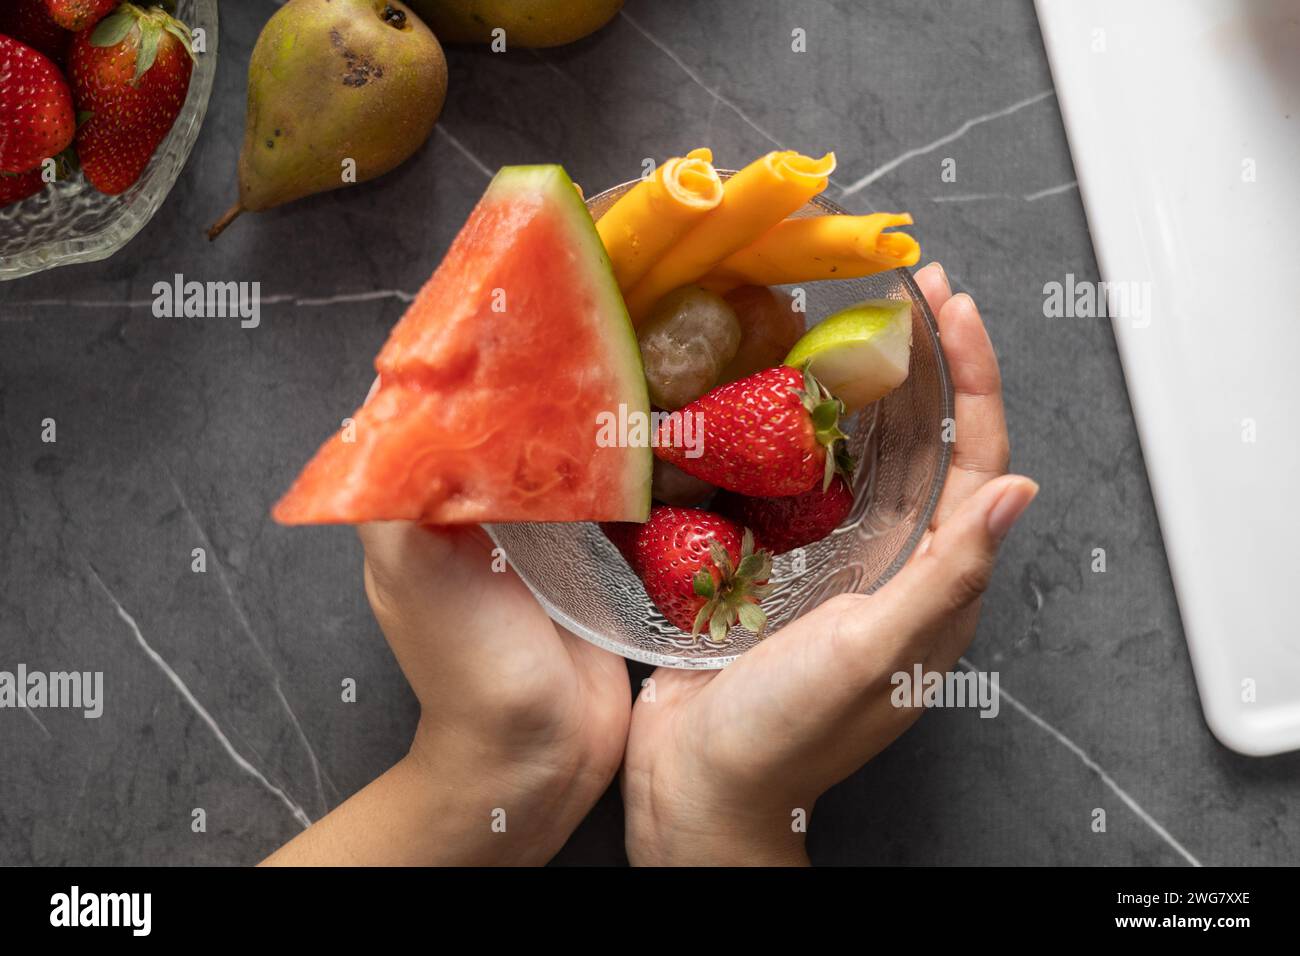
x=447, y=601
x=418, y=568
x=426, y=582
x=953, y=565
x=828, y=662
x=935, y=597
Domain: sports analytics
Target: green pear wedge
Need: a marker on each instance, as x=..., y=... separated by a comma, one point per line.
x=339, y=92
x=860, y=353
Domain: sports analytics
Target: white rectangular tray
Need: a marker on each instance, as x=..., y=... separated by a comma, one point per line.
x=1184, y=124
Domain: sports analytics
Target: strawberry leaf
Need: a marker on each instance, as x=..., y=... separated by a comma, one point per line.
x=151, y=36
x=703, y=584
x=700, y=618
x=719, y=621
x=752, y=617
x=844, y=462
x=751, y=567
x=182, y=33
x=825, y=410
x=721, y=560
x=826, y=416
x=113, y=29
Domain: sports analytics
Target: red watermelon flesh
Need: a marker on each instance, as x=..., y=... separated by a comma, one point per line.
x=491, y=385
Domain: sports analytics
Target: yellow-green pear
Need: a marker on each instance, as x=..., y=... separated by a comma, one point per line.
x=526, y=23
x=339, y=92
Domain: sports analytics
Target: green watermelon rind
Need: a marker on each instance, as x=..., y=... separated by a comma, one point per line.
x=621, y=345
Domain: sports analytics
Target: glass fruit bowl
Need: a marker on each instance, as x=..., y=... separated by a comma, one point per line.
x=71, y=221
x=587, y=587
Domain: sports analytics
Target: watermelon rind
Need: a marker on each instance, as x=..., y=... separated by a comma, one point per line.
x=624, y=352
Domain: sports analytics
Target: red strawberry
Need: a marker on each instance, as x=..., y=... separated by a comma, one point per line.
x=772, y=434
x=623, y=534
x=79, y=14
x=783, y=524
x=15, y=187
x=36, y=117
x=27, y=21
x=131, y=73
x=700, y=570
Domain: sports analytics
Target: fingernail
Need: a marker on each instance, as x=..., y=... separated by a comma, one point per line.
x=1011, y=504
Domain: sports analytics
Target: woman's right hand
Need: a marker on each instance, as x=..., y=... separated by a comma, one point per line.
x=720, y=764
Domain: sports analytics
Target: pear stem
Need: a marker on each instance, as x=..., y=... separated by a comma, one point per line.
x=220, y=225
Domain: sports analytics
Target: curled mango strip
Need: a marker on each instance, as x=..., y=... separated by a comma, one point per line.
x=654, y=214
x=753, y=201
x=819, y=247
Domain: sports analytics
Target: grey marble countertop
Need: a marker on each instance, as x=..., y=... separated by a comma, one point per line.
x=222, y=689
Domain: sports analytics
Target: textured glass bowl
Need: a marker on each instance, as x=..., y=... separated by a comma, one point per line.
x=587, y=587
x=71, y=222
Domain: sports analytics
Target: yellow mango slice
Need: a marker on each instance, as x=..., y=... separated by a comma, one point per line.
x=753, y=201
x=654, y=214
x=819, y=247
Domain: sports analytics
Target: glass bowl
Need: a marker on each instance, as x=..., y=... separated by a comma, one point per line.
x=71, y=221
x=587, y=587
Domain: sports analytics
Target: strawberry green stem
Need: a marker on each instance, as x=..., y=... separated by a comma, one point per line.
x=737, y=594
x=825, y=410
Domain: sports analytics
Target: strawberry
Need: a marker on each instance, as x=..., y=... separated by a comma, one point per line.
x=76, y=15
x=15, y=187
x=772, y=434
x=783, y=524
x=36, y=117
x=623, y=534
x=131, y=74
x=700, y=570
x=27, y=21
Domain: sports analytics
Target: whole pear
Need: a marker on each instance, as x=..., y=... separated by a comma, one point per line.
x=339, y=92
x=527, y=23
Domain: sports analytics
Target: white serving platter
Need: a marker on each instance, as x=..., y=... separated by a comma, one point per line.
x=1184, y=123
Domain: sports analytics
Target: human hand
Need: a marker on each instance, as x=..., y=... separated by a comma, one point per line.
x=719, y=762
x=516, y=715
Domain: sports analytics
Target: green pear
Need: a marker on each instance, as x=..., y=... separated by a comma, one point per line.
x=339, y=92
x=861, y=353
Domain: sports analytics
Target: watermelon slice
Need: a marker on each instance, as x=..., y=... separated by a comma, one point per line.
x=491, y=385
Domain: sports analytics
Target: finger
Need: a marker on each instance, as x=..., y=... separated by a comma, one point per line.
x=981, y=450
x=933, y=282
x=672, y=687
x=829, y=674
x=419, y=580
x=946, y=578
x=845, y=643
x=422, y=564
x=444, y=598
